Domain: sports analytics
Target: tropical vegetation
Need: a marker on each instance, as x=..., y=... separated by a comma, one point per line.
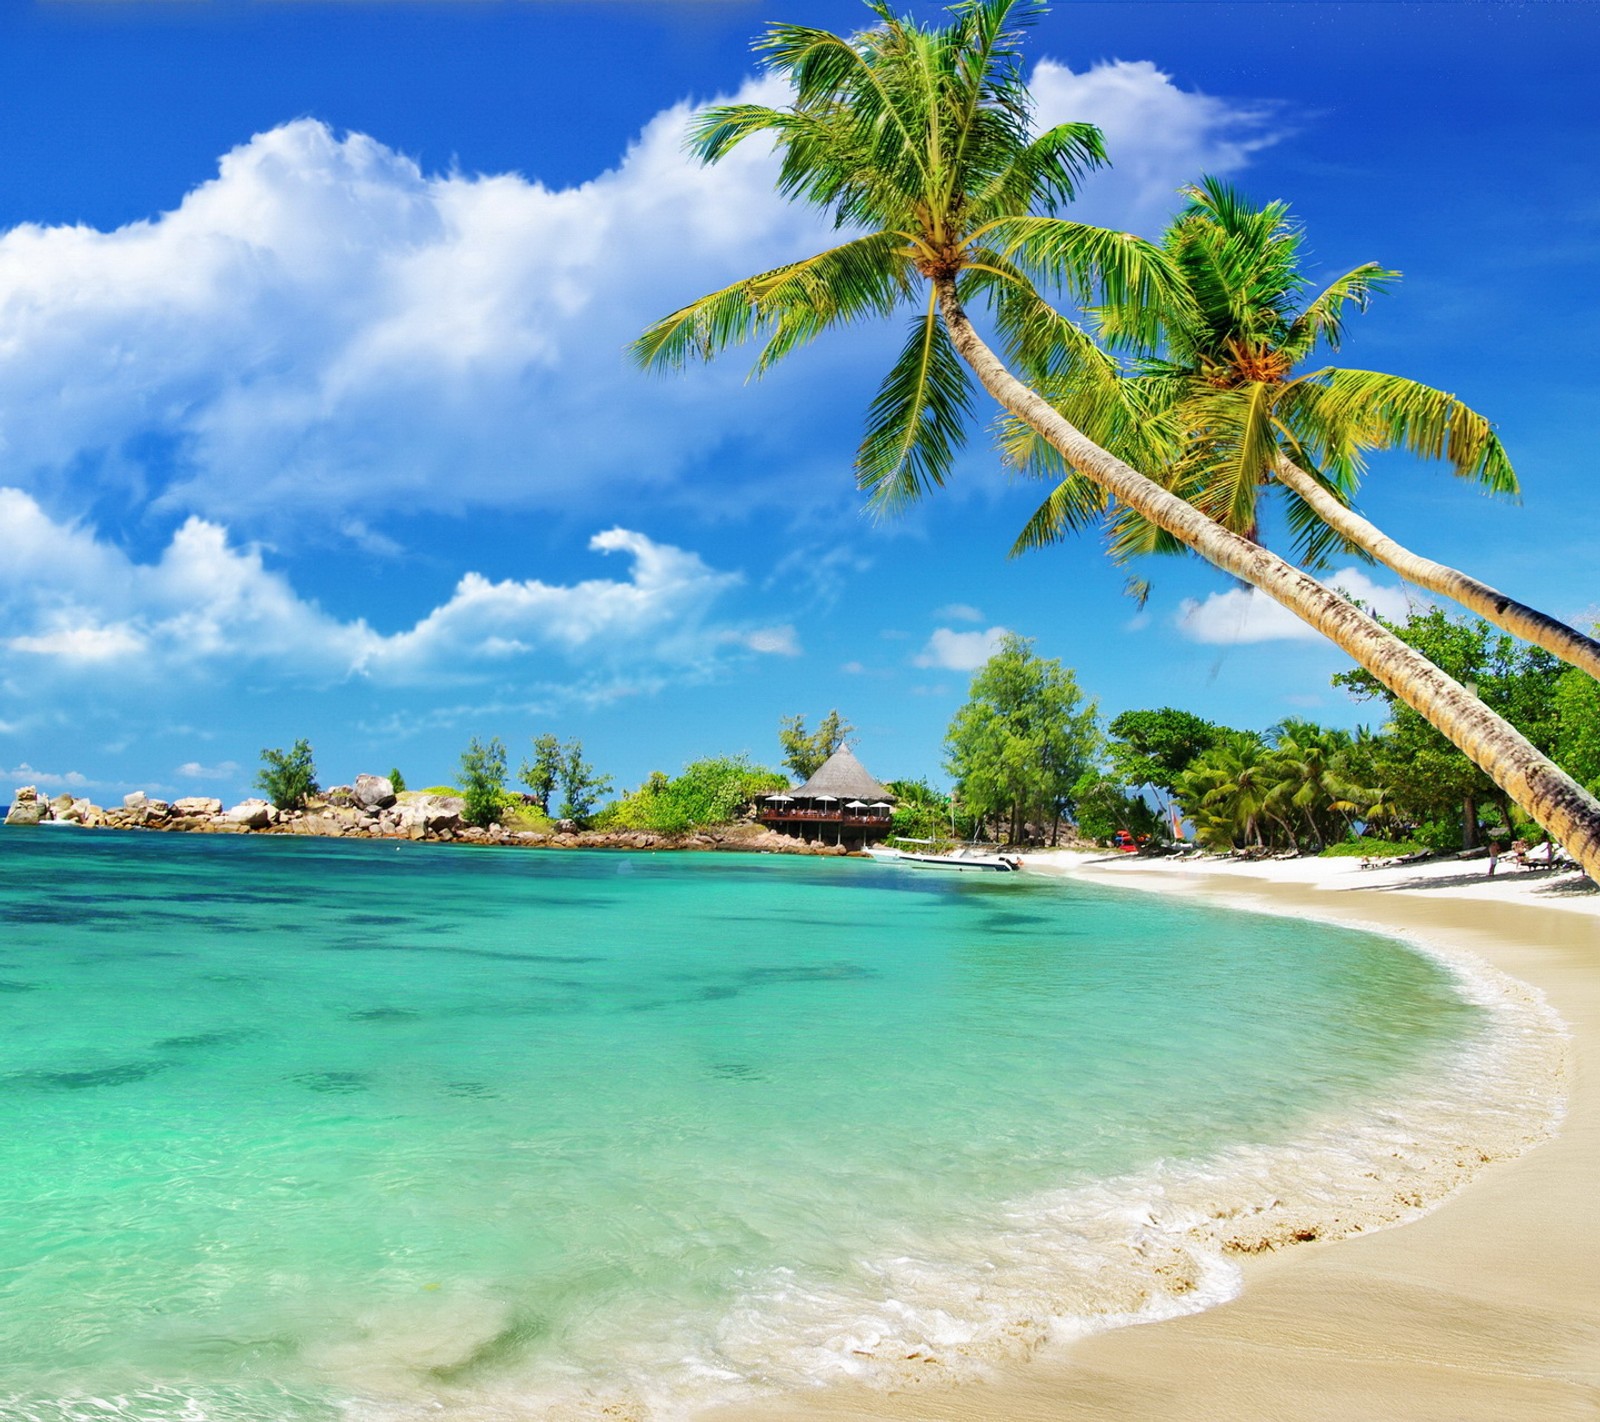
x=805, y=751
x=1022, y=741
x=919, y=141
x=288, y=778
x=708, y=792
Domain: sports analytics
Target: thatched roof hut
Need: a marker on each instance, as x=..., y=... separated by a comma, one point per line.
x=842, y=777
x=841, y=794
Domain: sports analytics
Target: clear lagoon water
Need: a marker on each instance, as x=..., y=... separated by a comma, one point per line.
x=306, y=1130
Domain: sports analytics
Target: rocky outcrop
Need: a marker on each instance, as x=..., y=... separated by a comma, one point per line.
x=373, y=792
x=28, y=808
x=369, y=809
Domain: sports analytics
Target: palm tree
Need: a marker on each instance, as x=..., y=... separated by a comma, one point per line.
x=919, y=140
x=1223, y=405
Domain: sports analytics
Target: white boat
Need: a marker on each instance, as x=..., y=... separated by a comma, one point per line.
x=964, y=858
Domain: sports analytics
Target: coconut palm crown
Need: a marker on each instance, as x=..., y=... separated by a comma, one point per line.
x=921, y=140
x=1224, y=405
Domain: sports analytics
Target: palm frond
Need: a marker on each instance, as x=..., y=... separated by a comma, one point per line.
x=1090, y=263
x=792, y=304
x=918, y=421
x=1323, y=317
x=1391, y=412
x=1074, y=505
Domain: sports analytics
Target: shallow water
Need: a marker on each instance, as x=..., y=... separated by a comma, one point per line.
x=303, y=1130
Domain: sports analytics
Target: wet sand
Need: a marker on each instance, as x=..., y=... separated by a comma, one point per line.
x=1486, y=1308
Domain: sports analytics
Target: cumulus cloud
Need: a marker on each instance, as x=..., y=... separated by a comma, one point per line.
x=959, y=651
x=25, y=774
x=77, y=603
x=1158, y=136
x=326, y=329
x=1248, y=615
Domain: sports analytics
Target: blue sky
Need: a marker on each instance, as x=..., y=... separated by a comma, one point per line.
x=314, y=418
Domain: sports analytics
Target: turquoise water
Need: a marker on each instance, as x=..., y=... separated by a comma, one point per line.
x=300, y=1129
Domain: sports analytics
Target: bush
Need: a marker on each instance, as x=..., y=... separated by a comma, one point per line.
x=483, y=780
x=1366, y=847
x=288, y=778
x=709, y=792
x=397, y=782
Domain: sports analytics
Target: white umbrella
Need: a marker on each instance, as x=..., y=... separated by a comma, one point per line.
x=856, y=805
x=785, y=799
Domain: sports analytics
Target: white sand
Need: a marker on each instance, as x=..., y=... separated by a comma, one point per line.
x=1487, y=1308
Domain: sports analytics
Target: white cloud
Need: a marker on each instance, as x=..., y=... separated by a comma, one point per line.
x=959, y=612
x=1249, y=615
x=78, y=603
x=25, y=774
x=959, y=651
x=194, y=770
x=1158, y=137
x=324, y=332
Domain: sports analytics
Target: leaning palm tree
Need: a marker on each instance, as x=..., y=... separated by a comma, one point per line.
x=919, y=141
x=1225, y=406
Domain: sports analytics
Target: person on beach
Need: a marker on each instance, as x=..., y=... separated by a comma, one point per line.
x=1494, y=856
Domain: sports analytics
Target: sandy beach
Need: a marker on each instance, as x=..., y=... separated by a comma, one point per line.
x=1486, y=1307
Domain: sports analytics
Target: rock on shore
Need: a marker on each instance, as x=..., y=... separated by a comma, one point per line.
x=370, y=809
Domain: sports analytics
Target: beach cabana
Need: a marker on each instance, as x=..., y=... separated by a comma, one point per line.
x=842, y=804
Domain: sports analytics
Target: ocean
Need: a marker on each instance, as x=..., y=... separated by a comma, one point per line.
x=320, y=1131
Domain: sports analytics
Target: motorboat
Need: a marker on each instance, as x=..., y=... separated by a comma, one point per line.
x=963, y=858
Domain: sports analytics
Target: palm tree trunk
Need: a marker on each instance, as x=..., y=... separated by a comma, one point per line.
x=1553, y=799
x=1515, y=617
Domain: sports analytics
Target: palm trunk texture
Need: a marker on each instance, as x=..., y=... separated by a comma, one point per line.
x=1565, y=810
x=1489, y=603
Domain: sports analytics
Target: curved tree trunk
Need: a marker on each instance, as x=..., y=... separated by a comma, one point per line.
x=1554, y=800
x=1515, y=617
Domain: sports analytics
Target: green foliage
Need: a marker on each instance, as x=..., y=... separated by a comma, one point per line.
x=803, y=752
x=708, y=792
x=1212, y=388
x=1155, y=747
x=581, y=787
x=1577, y=708
x=542, y=772
x=397, y=782
x=1295, y=788
x=288, y=778
x=1367, y=847
x=920, y=140
x=1103, y=805
x=1426, y=779
x=483, y=780
x=1022, y=741
x=921, y=812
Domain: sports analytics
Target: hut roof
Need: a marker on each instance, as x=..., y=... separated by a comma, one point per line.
x=844, y=777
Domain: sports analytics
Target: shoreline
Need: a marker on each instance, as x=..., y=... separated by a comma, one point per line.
x=1484, y=1305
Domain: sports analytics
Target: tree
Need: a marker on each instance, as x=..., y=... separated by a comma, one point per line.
x=483, y=780
x=397, y=782
x=1577, y=708
x=918, y=139
x=288, y=778
x=708, y=792
x=1023, y=739
x=1102, y=805
x=543, y=771
x=1222, y=403
x=581, y=788
x=1431, y=779
x=805, y=753
x=1155, y=747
